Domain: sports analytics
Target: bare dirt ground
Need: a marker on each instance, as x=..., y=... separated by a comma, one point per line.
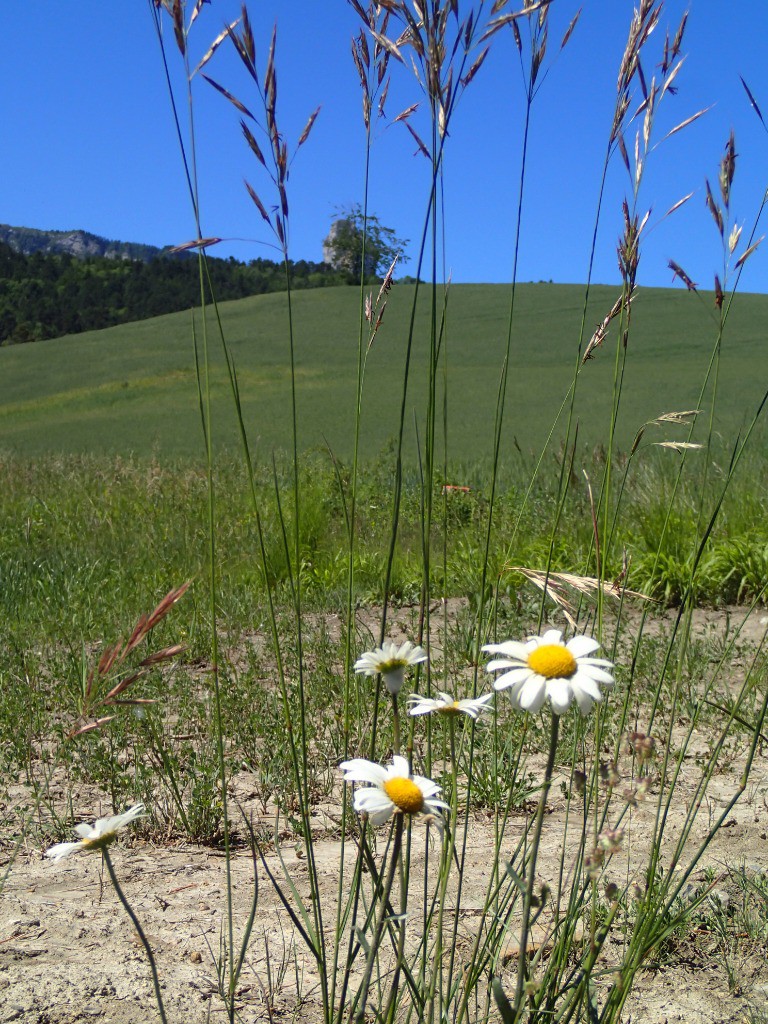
x=68, y=951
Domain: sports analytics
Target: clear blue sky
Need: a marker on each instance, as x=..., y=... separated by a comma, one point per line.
x=88, y=139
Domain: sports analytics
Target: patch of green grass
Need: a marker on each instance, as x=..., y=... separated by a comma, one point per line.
x=88, y=544
x=131, y=389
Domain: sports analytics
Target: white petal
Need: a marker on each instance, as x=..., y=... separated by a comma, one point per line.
x=475, y=705
x=87, y=831
x=598, y=674
x=360, y=770
x=517, y=677
x=427, y=786
x=582, y=682
x=424, y=707
x=552, y=636
x=62, y=850
x=499, y=663
x=560, y=695
x=533, y=694
x=366, y=663
x=399, y=769
x=579, y=646
x=375, y=803
x=411, y=653
x=512, y=648
x=137, y=811
x=585, y=701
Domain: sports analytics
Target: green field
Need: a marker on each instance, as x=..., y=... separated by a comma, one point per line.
x=132, y=389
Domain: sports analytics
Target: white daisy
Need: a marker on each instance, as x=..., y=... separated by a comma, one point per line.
x=544, y=668
x=96, y=836
x=392, y=789
x=444, y=704
x=391, y=662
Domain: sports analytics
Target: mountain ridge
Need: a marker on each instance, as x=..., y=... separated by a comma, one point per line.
x=78, y=243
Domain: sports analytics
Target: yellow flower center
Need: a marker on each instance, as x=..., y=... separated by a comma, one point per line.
x=450, y=709
x=99, y=842
x=393, y=665
x=405, y=795
x=553, y=661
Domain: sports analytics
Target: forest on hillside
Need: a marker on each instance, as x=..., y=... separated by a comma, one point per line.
x=49, y=295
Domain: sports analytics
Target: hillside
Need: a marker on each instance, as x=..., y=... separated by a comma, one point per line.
x=57, y=283
x=132, y=388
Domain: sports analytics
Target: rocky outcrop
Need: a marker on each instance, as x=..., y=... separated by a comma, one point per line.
x=78, y=243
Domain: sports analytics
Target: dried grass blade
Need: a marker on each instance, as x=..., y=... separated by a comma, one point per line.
x=677, y=271
x=178, y=27
x=388, y=45
x=686, y=122
x=684, y=416
x=308, y=128
x=405, y=114
x=214, y=45
x=133, y=701
x=163, y=655
x=419, y=143
x=745, y=255
x=671, y=77
x=122, y=686
x=196, y=243
x=475, y=67
x=753, y=103
x=232, y=99
x=258, y=203
x=140, y=630
x=250, y=138
x=170, y=599
x=571, y=27
x=198, y=8
x=678, y=446
x=90, y=726
x=677, y=205
x=108, y=658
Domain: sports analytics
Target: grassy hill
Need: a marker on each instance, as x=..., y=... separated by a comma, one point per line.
x=132, y=388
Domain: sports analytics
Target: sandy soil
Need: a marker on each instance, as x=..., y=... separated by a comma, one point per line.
x=68, y=951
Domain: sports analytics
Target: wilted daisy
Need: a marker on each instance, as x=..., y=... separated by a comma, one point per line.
x=96, y=836
x=444, y=704
x=544, y=668
x=391, y=662
x=392, y=789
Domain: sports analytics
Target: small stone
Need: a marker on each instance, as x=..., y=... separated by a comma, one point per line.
x=203, y=906
x=719, y=898
x=195, y=957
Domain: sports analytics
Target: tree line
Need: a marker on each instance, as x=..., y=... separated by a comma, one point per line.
x=47, y=295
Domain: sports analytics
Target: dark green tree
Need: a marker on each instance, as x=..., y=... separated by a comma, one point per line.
x=356, y=244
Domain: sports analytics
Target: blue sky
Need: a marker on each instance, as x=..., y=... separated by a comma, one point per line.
x=89, y=141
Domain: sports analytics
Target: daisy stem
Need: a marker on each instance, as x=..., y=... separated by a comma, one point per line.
x=522, y=961
x=396, y=725
x=357, y=1011
x=140, y=931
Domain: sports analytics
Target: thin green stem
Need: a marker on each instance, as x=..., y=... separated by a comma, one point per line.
x=139, y=930
x=357, y=1011
x=522, y=969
